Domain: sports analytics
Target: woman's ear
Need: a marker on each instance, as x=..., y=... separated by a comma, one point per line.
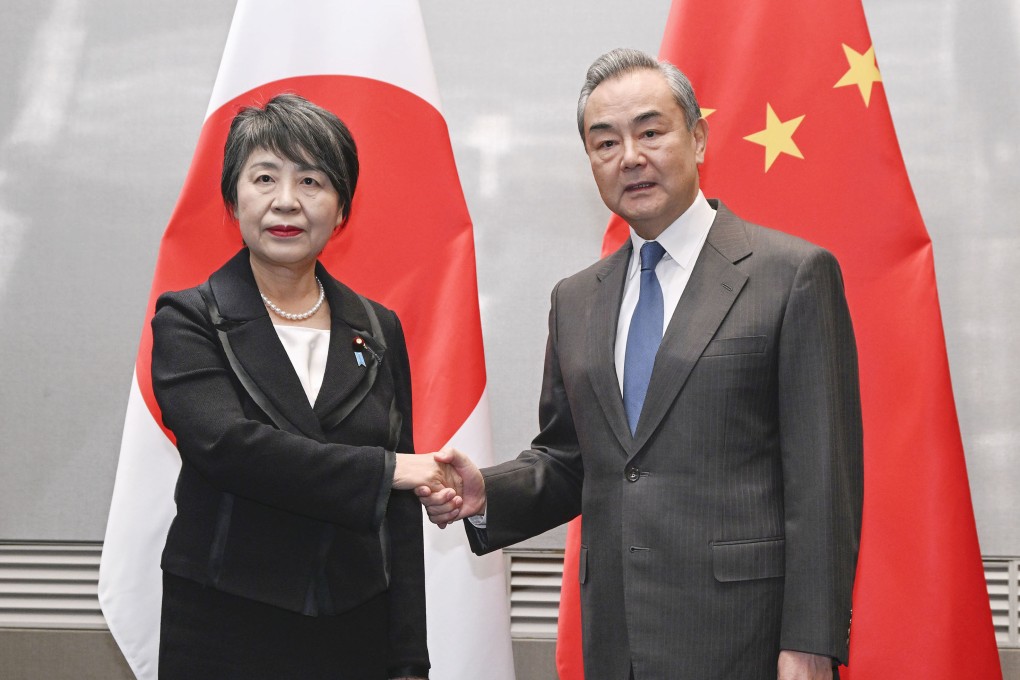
x=340, y=221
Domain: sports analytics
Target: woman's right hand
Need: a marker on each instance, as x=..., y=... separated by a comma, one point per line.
x=469, y=498
x=422, y=469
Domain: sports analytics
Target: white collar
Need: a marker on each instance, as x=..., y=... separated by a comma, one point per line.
x=681, y=240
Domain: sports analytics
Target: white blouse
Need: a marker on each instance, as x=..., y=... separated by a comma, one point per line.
x=307, y=349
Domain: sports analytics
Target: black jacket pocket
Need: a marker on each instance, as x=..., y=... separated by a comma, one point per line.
x=748, y=559
x=751, y=344
x=582, y=565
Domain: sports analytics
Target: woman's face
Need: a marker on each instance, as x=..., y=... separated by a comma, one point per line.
x=287, y=211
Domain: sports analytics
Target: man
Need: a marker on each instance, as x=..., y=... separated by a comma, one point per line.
x=700, y=406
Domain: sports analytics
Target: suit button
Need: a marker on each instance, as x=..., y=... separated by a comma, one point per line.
x=633, y=474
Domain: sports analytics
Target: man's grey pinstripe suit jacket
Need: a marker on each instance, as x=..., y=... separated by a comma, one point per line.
x=727, y=527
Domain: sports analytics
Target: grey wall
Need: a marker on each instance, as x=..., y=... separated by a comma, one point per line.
x=102, y=107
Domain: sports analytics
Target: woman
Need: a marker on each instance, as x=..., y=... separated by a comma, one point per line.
x=296, y=551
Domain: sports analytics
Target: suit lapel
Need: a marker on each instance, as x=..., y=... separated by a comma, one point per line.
x=602, y=322
x=345, y=382
x=712, y=289
x=247, y=332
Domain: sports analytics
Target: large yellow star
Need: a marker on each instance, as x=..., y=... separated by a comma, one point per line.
x=777, y=137
x=863, y=71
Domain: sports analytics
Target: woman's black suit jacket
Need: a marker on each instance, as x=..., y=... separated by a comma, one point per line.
x=277, y=501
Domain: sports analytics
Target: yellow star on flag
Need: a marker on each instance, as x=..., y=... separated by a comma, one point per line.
x=777, y=137
x=863, y=71
x=705, y=113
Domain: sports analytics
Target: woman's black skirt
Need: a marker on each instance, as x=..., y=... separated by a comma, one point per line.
x=209, y=634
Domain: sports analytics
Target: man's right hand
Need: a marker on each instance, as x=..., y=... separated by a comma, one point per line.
x=446, y=505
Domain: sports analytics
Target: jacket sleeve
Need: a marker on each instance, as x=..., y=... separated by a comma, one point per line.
x=541, y=488
x=408, y=652
x=822, y=458
x=236, y=452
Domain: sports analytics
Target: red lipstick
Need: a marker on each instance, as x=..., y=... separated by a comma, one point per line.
x=284, y=231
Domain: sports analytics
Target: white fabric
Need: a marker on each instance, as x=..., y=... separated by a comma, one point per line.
x=307, y=349
x=466, y=595
x=130, y=580
x=368, y=39
x=683, y=241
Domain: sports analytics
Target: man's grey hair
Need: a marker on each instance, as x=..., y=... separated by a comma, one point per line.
x=623, y=60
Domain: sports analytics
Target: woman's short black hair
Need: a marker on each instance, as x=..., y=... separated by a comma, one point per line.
x=298, y=130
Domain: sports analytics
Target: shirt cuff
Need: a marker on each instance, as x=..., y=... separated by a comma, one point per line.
x=480, y=521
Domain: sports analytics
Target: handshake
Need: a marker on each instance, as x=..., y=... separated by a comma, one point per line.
x=447, y=483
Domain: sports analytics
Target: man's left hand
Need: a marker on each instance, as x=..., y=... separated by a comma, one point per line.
x=803, y=666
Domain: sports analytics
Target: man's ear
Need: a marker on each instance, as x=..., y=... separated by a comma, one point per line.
x=700, y=133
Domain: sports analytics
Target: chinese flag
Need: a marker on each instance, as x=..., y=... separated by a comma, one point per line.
x=408, y=244
x=800, y=139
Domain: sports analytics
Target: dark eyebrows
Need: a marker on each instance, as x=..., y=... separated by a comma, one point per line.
x=268, y=165
x=647, y=115
x=273, y=165
x=640, y=118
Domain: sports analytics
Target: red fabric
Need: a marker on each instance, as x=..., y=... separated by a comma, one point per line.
x=406, y=217
x=920, y=604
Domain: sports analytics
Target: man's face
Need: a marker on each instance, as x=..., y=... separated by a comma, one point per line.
x=644, y=159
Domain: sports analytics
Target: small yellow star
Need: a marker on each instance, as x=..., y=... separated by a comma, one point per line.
x=705, y=113
x=777, y=137
x=863, y=71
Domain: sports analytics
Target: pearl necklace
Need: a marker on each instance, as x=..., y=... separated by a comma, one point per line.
x=297, y=317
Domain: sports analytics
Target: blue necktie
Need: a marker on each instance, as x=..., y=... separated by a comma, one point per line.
x=644, y=336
